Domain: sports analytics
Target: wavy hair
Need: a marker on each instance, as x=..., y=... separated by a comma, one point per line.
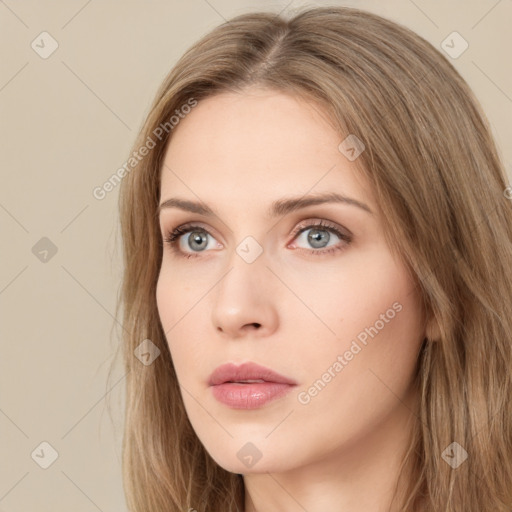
x=439, y=180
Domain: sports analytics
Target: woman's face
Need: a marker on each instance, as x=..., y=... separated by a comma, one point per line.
x=327, y=307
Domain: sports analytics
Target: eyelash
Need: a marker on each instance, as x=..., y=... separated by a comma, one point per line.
x=172, y=238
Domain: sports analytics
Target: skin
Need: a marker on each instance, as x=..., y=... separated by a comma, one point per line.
x=289, y=310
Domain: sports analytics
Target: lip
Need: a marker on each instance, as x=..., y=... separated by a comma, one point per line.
x=227, y=388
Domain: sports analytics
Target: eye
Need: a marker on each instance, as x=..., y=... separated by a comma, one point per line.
x=318, y=235
x=197, y=240
x=189, y=241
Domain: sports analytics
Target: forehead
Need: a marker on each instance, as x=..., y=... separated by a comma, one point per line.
x=255, y=145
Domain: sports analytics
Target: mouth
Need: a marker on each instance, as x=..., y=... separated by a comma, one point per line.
x=248, y=386
x=245, y=381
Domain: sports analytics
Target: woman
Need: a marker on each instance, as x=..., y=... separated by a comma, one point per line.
x=317, y=247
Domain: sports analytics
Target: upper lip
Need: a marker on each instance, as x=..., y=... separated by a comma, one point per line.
x=231, y=372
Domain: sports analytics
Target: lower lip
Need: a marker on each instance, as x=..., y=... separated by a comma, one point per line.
x=249, y=396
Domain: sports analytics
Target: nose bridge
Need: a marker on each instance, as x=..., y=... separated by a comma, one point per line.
x=244, y=294
x=247, y=272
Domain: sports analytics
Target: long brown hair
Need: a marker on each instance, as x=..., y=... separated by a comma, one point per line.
x=432, y=162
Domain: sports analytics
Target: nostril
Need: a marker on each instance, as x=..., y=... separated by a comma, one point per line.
x=253, y=324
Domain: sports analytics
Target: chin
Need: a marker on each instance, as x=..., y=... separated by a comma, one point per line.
x=250, y=458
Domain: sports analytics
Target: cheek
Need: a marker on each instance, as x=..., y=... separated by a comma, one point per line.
x=177, y=301
x=384, y=313
x=166, y=302
x=350, y=295
x=375, y=312
x=171, y=298
x=368, y=369
x=175, y=295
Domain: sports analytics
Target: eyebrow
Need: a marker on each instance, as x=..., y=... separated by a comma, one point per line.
x=277, y=208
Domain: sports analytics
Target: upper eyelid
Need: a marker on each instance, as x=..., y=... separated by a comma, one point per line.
x=302, y=225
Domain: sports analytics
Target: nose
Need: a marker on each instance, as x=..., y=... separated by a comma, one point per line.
x=244, y=302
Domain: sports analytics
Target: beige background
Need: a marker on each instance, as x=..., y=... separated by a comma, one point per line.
x=67, y=124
